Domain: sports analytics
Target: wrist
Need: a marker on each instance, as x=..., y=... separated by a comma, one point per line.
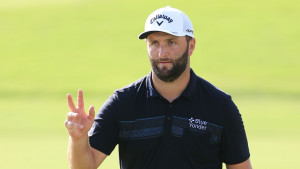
x=83, y=140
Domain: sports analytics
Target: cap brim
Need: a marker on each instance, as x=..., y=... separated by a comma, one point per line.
x=144, y=35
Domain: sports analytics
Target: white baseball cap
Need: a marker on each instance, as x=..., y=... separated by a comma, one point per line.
x=168, y=20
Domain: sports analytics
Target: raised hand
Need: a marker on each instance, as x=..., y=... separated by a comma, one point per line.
x=78, y=123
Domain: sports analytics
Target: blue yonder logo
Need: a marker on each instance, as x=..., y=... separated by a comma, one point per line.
x=197, y=124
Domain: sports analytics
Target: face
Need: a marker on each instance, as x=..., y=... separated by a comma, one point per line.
x=168, y=54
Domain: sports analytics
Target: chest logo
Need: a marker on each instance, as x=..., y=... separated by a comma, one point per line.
x=197, y=124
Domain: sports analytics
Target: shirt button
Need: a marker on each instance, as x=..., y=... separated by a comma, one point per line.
x=170, y=105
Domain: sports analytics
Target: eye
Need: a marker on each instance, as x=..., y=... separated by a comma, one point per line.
x=154, y=43
x=172, y=43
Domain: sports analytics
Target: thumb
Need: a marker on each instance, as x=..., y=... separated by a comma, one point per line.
x=91, y=115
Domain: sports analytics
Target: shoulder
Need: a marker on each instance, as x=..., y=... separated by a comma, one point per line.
x=208, y=89
x=124, y=97
x=132, y=89
x=211, y=96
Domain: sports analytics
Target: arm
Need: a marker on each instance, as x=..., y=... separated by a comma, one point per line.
x=78, y=123
x=81, y=155
x=234, y=141
x=244, y=165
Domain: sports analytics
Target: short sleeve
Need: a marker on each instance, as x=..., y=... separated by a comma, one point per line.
x=103, y=135
x=234, y=141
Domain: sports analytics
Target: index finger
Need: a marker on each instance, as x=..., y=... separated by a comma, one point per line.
x=71, y=103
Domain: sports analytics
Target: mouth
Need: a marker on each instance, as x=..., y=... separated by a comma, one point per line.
x=165, y=61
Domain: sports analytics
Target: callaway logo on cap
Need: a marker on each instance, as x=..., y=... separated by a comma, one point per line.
x=168, y=20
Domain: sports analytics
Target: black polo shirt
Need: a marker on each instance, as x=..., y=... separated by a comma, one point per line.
x=201, y=129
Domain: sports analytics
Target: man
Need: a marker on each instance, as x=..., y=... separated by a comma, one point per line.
x=170, y=119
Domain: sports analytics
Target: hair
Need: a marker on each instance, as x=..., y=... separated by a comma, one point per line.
x=188, y=38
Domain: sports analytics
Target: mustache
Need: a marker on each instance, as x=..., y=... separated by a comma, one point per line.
x=164, y=60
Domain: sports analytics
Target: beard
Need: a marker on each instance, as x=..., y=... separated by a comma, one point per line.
x=169, y=75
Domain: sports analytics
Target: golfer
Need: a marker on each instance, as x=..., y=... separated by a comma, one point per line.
x=169, y=119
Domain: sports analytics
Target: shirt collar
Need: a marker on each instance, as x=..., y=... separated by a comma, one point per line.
x=188, y=91
x=151, y=92
x=191, y=87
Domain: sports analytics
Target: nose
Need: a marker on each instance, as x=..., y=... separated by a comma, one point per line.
x=163, y=51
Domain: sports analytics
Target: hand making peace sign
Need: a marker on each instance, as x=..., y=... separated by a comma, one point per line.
x=78, y=123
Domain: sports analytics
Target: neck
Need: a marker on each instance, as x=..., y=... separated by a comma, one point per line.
x=172, y=90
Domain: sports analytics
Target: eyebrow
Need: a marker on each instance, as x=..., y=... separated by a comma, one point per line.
x=173, y=38
x=169, y=39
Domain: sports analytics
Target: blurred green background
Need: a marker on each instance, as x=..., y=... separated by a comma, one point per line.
x=49, y=48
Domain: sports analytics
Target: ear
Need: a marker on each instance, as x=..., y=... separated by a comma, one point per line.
x=192, y=44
